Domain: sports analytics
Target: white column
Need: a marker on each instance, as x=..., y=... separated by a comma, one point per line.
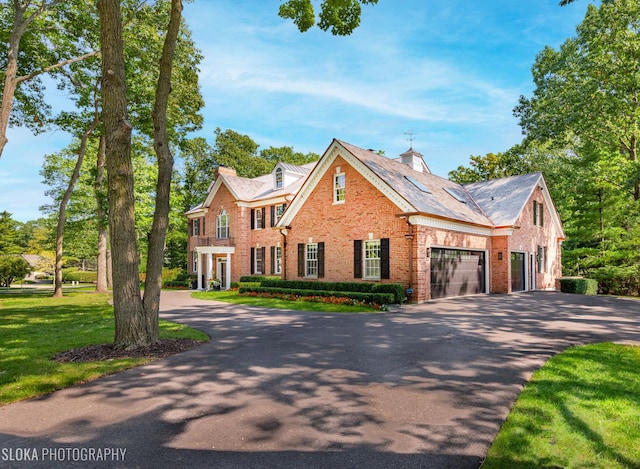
x=199, y=269
x=207, y=276
x=228, y=267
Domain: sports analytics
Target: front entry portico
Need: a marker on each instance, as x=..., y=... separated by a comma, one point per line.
x=205, y=263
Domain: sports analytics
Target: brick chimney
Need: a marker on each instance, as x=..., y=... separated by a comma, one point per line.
x=223, y=170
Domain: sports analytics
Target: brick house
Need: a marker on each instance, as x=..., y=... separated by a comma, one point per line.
x=365, y=217
x=231, y=233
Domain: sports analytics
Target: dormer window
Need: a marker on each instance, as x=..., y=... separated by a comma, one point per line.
x=279, y=178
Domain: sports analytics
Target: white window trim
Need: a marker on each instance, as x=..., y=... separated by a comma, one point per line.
x=307, y=261
x=258, y=219
x=277, y=267
x=337, y=188
x=220, y=228
x=258, y=262
x=374, y=260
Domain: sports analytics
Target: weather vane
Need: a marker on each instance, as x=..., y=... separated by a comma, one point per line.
x=411, y=138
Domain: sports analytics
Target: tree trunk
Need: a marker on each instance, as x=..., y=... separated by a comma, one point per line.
x=10, y=78
x=155, y=257
x=130, y=324
x=62, y=211
x=101, y=214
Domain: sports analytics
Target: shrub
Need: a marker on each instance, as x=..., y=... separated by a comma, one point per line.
x=583, y=286
x=294, y=293
x=395, y=289
x=257, y=278
x=169, y=275
x=82, y=276
x=614, y=280
x=12, y=267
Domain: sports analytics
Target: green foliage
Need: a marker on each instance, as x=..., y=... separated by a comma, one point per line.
x=9, y=234
x=75, y=275
x=396, y=290
x=342, y=17
x=618, y=280
x=583, y=286
x=12, y=267
x=294, y=293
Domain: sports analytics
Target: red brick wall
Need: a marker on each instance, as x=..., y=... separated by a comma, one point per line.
x=365, y=211
x=500, y=269
x=529, y=236
x=244, y=237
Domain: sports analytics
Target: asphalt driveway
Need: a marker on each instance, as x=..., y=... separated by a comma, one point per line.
x=425, y=386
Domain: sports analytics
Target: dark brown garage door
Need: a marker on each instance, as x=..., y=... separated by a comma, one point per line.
x=457, y=272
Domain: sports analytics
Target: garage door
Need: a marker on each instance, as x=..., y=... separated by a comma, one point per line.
x=457, y=272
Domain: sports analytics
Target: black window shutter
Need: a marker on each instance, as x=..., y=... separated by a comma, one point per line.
x=273, y=260
x=253, y=261
x=535, y=212
x=273, y=215
x=541, y=214
x=320, y=260
x=253, y=219
x=357, y=258
x=190, y=227
x=264, y=260
x=203, y=230
x=301, y=248
x=264, y=221
x=384, y=258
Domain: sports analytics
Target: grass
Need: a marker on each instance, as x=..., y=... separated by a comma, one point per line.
x=581, y=409
x=232, y=296
x=34, y=327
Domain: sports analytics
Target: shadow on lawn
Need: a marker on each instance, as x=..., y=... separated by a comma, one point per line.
x=426, y=387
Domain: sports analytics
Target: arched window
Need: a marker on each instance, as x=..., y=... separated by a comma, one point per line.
x=278, y=178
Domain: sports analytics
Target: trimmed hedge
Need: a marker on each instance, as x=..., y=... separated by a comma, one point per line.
x=395, y=289
x=256, y=278
x=583, y=286
x=82, y=276
x=379, y=298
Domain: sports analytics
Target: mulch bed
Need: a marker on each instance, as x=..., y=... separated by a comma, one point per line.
x=92, y=353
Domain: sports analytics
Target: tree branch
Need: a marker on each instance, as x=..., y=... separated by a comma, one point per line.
x=58, y=65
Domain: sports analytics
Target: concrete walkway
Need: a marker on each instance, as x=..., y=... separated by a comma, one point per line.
x=427, y=386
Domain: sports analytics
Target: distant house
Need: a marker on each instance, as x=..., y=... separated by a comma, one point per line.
x=365, y=217
x=359, y=216
x=231, y=234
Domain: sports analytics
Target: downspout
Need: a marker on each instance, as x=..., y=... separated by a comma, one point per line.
x=283, y=268
x=409, y=236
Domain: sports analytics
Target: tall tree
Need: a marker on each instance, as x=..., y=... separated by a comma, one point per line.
x=42, y=37
x=135, y=324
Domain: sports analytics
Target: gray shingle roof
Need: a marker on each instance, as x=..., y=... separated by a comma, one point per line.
x=503, y=199
x=494, y=203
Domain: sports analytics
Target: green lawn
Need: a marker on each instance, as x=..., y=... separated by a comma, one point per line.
x=581, y=409
x=232, y=296
x=34, y=327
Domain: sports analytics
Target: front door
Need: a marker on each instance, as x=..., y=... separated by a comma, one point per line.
x=221, y=272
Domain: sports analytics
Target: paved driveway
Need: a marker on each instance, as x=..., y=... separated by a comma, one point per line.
x=428, y=386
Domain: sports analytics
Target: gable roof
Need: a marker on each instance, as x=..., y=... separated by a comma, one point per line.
x=491, y=204
x=255, y=189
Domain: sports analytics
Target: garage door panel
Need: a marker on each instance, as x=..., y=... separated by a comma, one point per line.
x=456, y=272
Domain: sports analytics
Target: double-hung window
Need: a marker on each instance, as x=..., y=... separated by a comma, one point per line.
x=311, y=263
x=277, y=261
x=372, y=259
x=222, y=226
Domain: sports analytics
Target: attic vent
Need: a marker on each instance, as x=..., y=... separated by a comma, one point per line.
x=418, y=184
x=456, y=195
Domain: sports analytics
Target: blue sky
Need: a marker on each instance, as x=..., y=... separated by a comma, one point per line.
x=450, y=71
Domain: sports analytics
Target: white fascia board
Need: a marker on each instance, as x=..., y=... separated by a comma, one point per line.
x=423, y=220
x=335, y=150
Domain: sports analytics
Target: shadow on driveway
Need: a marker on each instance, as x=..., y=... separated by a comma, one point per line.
x=427, y=386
